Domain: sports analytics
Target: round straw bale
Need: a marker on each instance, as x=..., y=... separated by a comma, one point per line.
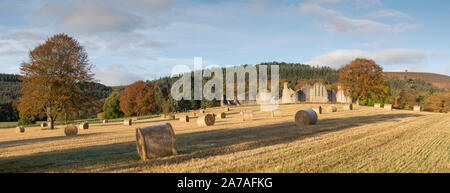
x=105, y=121
x=318, y=109
x=347, y=106
x=156, y=141
x=276, y=113
x=184, y=118
x=377, y=105
x=221, y=115
x=247, y=115
x=20, y=129
x=44, y=125
x=388, y=107
x=331, y=108
x=206, y=120
x=84, y=125
x=417, y=108
x=71, y=130
x=305, y=117
x=127, y=122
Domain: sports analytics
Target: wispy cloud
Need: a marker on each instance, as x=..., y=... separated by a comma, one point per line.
x=385, y=57
x=115, y=75
x=96, y=16
x=388, y=13
x=335, y=22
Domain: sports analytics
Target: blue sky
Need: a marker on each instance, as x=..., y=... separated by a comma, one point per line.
x=145, y=39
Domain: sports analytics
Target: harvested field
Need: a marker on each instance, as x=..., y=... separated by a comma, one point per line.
x=363, y=140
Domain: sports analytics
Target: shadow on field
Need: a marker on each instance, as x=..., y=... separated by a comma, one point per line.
x=193, y=145
x=5, y=144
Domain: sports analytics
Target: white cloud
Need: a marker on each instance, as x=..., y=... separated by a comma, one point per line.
x=115, y=75
x=153, y=5
x=337, y=23
x=96, y=16
x=17, y=43
x=373, y=44
x=53, y=10
x=258, y=4
x=388, y=13
x=405, y=57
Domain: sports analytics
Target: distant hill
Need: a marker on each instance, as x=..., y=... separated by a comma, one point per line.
x=437, y=80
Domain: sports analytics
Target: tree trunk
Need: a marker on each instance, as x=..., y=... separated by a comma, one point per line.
x=50, y=122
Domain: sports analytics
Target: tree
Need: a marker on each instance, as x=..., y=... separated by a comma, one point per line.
x=438, y=102
x=406, y=99
x=111, y=108
x=363, y=78
x=138, y=99
x=51, y=78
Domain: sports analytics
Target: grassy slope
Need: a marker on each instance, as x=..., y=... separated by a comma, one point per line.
x=438, y=80
x=363, y=140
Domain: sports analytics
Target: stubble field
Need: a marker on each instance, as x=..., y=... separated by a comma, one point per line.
x=362, y=140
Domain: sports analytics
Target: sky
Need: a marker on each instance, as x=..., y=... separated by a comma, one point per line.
x=145, y=39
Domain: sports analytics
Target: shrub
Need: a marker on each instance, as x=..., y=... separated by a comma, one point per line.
x=111, y=108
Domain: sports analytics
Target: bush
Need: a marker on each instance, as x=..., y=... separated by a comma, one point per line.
x=26, y=120
x=111, y=108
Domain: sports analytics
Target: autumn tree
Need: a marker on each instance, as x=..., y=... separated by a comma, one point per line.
x=138, y=99
x=438, y=102
x=111, y=108
x=363, y=79
x=406, y=99
x=51, y=79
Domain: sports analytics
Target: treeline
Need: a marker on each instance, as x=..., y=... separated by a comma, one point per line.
x=164, y=103
x=407, y=92
x=403, y=93
x=10, y=89
x=289, y=72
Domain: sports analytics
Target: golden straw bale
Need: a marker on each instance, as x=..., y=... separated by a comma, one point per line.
x=206, y=120
x=156, y=141
x=318, y=109
x=83, y=125
x=20, y=129
x=305, y=117
x=127, y=122
x=71, y=130
x=331, y=109
x=347, y=106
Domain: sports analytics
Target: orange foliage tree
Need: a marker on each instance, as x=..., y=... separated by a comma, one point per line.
x=51, y=79
x=363, y=78
x=406, y=99
x=138, y=99
x=438, y=102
